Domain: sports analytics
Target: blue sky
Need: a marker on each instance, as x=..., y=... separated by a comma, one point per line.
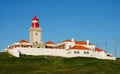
x=96, y=20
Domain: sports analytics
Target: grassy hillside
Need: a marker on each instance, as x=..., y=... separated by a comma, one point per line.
x=56, y=65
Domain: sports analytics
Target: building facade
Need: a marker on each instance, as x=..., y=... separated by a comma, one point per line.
x=66, y=48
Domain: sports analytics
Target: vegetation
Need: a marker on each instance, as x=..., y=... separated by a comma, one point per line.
x=56, y=65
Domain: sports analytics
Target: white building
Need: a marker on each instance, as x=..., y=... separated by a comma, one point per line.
x=66, y=48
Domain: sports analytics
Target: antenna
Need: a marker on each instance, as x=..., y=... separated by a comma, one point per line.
x=106, y=46
x=115, y=45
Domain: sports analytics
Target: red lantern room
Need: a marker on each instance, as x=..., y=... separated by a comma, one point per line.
x=35, y=22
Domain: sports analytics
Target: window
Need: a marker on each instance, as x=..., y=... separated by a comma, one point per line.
x=36, y=33
x=86, y=52
x=69, y=46
x=38, y=47
x=36, y=42
x=76, y=52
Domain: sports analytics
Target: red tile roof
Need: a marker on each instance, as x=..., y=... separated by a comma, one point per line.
x=77, y=42
x=98, y=50
x=67, y=41
x=79, y=48
x=81, y=42
x=23, y=41
x=49, y=42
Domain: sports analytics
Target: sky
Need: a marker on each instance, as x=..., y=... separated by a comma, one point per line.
x=94, y=20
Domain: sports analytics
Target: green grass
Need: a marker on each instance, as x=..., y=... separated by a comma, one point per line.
x=56, y=65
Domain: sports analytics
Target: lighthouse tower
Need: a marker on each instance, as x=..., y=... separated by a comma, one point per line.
x=36, y=33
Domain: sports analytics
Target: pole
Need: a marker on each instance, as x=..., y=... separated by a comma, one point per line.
x=106, y=46
x=115, y=45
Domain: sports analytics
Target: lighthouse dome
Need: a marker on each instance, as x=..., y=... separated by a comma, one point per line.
x=35, y=18
x=35, y=22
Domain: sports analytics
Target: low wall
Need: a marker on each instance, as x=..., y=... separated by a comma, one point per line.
x=39, y=51
x=57, y=52
x=102, y=55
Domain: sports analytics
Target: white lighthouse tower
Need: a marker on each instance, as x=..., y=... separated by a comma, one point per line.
x=36, y=33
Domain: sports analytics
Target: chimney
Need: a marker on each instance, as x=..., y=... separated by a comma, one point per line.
x=72, y=39
x=88, y=42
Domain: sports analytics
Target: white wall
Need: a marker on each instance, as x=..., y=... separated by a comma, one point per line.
x=102, y=55
x=58, y=52
x=14, y=52
x=69, y=44
x=40, y=51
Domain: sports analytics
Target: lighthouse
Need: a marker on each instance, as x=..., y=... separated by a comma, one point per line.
x=36, y=33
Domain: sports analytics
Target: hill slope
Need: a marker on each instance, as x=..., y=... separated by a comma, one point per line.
x=56, y=65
